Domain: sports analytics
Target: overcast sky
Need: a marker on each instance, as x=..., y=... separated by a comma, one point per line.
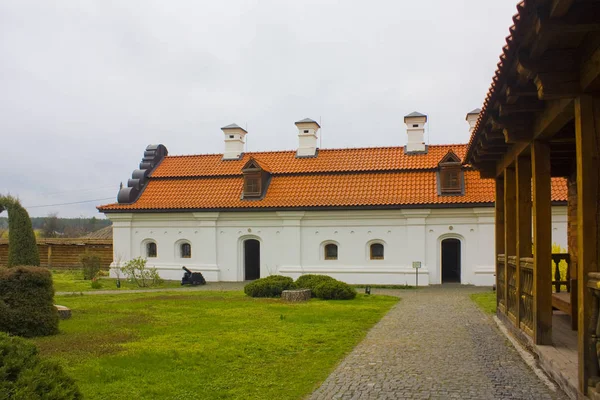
x=86, y=85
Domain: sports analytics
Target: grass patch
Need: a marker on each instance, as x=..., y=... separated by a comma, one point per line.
x=209, y=345
x=72, y=281
x=486, y=301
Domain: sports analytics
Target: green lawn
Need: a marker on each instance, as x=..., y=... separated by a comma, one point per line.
x=206, y=345
x=72, y=281
x=487, y=301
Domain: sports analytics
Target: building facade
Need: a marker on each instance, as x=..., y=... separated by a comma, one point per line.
x=360, y=215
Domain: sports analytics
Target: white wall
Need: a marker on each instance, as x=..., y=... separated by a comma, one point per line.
x=292, y=242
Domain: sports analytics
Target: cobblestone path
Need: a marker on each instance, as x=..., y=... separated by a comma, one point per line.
x=435, y=344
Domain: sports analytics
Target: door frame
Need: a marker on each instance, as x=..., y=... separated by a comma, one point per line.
x=461, y=240
x=242, y=252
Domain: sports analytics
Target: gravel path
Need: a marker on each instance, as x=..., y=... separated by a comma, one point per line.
x=435, y=344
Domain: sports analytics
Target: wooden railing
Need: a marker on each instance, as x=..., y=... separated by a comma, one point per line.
x=511, y=302
x=558, y=281
x=501, y=278
x=526, y=300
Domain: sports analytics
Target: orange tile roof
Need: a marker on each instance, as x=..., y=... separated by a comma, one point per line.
x=327, y=160
x=371, y=189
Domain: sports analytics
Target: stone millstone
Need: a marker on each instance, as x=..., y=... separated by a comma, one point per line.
x=63, y=312
x=296, y=295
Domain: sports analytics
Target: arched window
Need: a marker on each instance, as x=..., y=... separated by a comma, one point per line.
x=186, y=250
x=150, y=249
x=376, y=251
x=331, y=251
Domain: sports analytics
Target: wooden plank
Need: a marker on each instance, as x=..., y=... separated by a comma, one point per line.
x=542, y=242
x=510, y=228
x=499, y=216
x=523, y=220
x=562, y=301
x=587, y=136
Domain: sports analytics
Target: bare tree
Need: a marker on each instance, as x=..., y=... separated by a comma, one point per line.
x=51, y=226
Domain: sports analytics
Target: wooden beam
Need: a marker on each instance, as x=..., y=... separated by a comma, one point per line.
x=499, y=229
x=514, y=92
x=589, y=73
x=587, y=136
x=574, y=22
x=554, y=117
x=510, y=156
x=523, y=185
x=542, y=242
x=510, y=228
x=547, y=123
x=558, y=8
x=523, y=105
x=517, y=128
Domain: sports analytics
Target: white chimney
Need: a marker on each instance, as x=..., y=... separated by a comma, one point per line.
x=307, y=137
x=234, y=141
x=472, y=117
x=415, y=129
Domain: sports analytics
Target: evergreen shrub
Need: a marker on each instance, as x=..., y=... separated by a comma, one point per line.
x=25, y=376
x=311, y=281
x=334, y=290
x=271, y=286
x=26, y=302
x=22, y=247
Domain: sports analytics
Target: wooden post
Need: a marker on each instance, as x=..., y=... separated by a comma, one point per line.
x=587, y=137
x=524, y=244
x=499, y=215
x=510, y=229
x=542, y=242
x=49, y=255
x=572, y=245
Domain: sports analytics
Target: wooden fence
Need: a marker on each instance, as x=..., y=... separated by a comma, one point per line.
x=64, y=253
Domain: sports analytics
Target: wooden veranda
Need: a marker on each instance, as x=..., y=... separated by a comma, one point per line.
x=541, y=121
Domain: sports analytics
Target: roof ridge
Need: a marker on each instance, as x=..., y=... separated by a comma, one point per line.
x=252, y=153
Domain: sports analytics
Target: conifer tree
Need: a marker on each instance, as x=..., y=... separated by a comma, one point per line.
x=22, y=247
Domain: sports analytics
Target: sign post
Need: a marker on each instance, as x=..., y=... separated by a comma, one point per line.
x=416, y=265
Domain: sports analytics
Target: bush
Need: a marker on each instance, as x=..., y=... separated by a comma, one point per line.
x=96, y=284
x=135, y=270
x=271, y=286
x=22, y=246
x=334, y=290
x=90, y=263
x=311, y=281
x=23, y=375
x=26, y=302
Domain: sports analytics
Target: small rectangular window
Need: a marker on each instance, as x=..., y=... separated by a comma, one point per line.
x=450, y=180
x=415, y=125
x=151, y=249
x=331, y=252
x=252, y=185
x=306, y=131
x=376, y=251
x=230, y=136
x=186, y=250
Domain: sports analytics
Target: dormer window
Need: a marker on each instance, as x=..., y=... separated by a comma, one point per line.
x=256, y=178
x=450, y=175
x=252, y=185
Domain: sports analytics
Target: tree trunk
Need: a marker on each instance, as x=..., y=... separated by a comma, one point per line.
x=296, y=295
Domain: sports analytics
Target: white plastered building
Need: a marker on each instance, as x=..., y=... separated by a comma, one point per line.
x=364, y=215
